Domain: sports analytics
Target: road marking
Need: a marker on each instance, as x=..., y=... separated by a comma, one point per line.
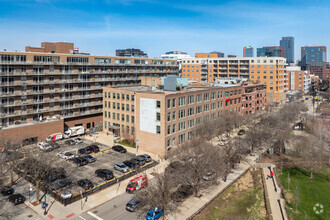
x=95, y=216
x=82, y=218
x=68, y=216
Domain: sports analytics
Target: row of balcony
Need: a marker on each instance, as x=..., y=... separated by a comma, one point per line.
x=67, y=81
x=31, y=112
x=84, y=64
x=18, y=73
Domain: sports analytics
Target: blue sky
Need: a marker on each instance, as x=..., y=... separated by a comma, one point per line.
x=157, y=26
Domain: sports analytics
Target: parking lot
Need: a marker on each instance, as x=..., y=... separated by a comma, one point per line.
x=106, y=158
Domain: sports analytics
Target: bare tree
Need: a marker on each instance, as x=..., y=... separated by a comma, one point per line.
x=198, y=158
x=158, y=193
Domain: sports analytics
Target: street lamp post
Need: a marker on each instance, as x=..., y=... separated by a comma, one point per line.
x=136, y=146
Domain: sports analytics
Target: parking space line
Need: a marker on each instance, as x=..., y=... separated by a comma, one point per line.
x=95, y=216
x=81, y=217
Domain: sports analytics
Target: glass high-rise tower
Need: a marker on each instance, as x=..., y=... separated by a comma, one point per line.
x=288, y=44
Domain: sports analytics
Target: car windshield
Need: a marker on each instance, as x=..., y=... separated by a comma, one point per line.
x=68, y=154
x=121, y=165
x=131, y=184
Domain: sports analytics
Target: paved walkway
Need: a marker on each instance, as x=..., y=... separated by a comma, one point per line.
x=277, y=204
x=58, y=211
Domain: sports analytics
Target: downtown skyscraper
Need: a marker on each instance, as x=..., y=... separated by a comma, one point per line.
x=288, y=44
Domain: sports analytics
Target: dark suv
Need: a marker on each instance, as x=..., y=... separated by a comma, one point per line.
x=80, y=161
x=7, y=191
x=16, y=199
x=84, y=151
x=89, y=149
x=105, y=174
x=138, y=160
x=85, y=183
x=119, y=148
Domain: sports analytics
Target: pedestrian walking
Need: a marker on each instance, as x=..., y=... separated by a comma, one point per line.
x=271, y=174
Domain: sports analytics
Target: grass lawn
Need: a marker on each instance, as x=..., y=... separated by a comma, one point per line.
x=303, y=193
x=242, y=200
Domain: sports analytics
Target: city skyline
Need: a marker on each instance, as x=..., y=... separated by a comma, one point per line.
x=157, y=27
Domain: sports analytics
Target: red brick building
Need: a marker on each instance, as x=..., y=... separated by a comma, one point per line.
x=253, y=98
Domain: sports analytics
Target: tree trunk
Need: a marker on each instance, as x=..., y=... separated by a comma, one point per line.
x=12, y=175
x=311, y=174
x=37, y=190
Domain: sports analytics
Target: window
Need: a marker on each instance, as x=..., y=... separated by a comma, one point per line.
x=114, y=95
x=213, y=116
x=127, y=118
x=173, y=103
x=198, y=98
x=132, y=119
x=109, y=114
x=105, y=114
x=132, y=108
x=213, y=95
x=198, y=120
x=158, y=116
x=206, y=107
x=122, y=96
x=182, y=126
x=105, y=95
x=206, y=96
x=182, y=101
x=191, y=123
x=190, y=135
x=127, y=97
x=157, y=129
x=132, y=97
x=191, y=111
x=122, y=107
x=105, y=104
x=199, y=109
x=182, y=113
x=191, y=99
x=173, y=116
x=122, y=117
x=169, y=103
x=173, y=128
x=182, y=138
x=118, y=106
x=118, y=96
x=213, y=106
x=169, y=116
x=114, y=115
x=169, y=129
x=127, y=107
x=157, y=104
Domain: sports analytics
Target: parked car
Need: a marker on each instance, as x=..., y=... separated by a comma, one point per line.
x=89, y=158
x=85, y=184
x=209, y=175
x=70, y=142
x=66, y=155
x=145, y=157
x=155, y=213
x=44, y=146
x=241, y=132
x=57, y=184
x=138, y=161
x=78, y=140
x=119, y=148
x=7, y=191
x=122, y=167
x=131, y=164
x=16, y=198
x=93, y=148
x=66, y=194
x=80, y=161
x=133, y=205
x=105, y=174
x=85, y=150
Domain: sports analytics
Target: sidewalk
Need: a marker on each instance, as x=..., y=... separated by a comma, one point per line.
x=277, y=204
x=58, y=211
x=193, y=204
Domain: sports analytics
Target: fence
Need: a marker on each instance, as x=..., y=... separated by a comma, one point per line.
x=57, y=196
x=206, y=204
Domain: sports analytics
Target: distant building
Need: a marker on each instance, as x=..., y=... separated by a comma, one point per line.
x=298, y=80
x=275, y=51
x=131, y=52
x=53, y=47
x=313, y=58
x=230, y=55
x=209, y=55
x=248, y=51
x=177, y=55
x=288, y=44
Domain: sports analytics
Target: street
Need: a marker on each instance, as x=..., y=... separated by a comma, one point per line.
x=112, y=210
